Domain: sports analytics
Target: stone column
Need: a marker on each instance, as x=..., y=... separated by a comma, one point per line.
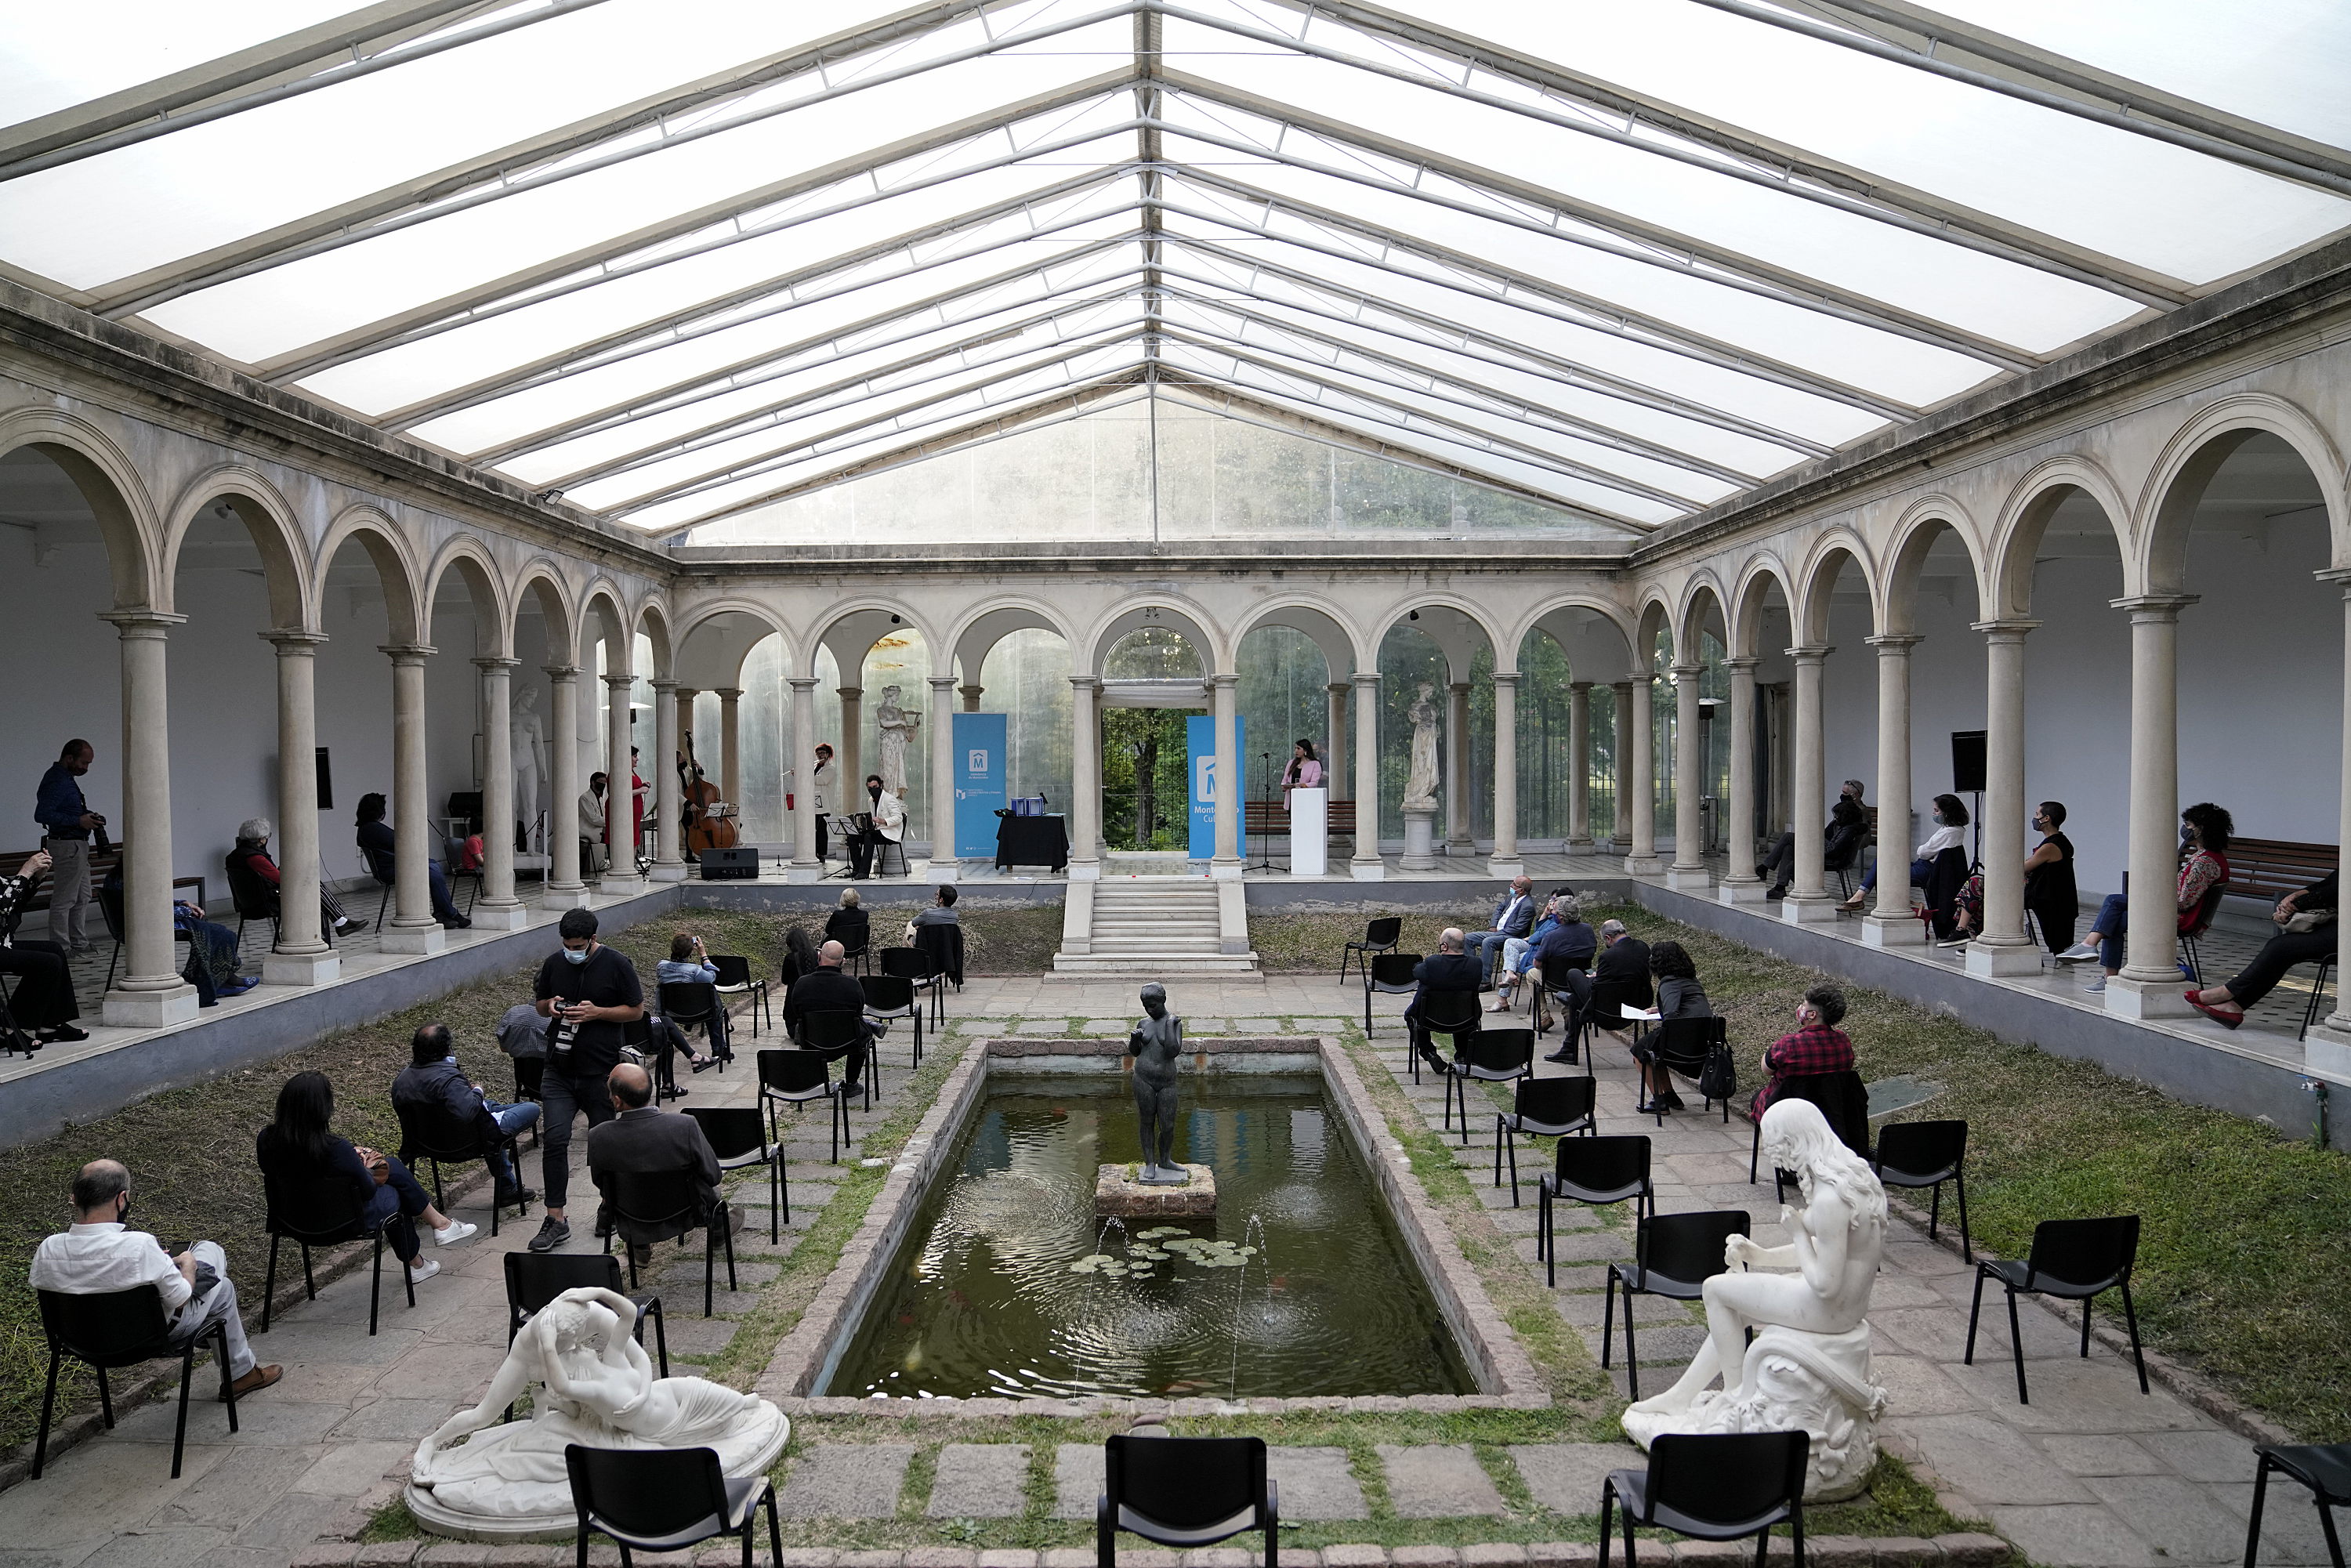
x=564, y=890
x=1366, y=864
x=669, y=793
x=497, y=909
x=2328, y=1046
x=970, y=696
x=301, y=956
x=1224, y=698
x=730, y=745
x=1579, y=765
x=1808, y=899
x=804, y=867
x=1085, y=780
x=1891, y=924
x=1458, y=840
x=1642, y=860
x=150, y=994
x=1334, y=747
x=2150, y=985
x=1505, y=862
x=684, y=702
x=942, y=780
x=849, y=757
x=620, y=816
x=1740, y=884
x=1620, y=834
x=415, y=927
x=2003, y=949
x=1688, y=867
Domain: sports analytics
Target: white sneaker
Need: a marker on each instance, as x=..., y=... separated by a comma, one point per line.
x=422, y=1268
x=457, y=1232
x=2097, y=985
x=2077, y=953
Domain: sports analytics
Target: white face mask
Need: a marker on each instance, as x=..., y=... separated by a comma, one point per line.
x=576, y=955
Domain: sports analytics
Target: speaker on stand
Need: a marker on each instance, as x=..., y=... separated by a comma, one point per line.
x=1967, y=768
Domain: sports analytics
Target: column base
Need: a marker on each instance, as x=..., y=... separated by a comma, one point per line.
x=669, y=874
x=1900, y=930
x=301, y=969
x=1816, y=911
x=2145, y=998
x=948, y=870
x=1739, y=890
x=613, y=885
x=1367, y=871
x=1225, y=870
x=2327, y=1048
x=1689, y=878
x=1997, y=960
x=1505, y=870
x=1084, y=871
x=500, y=916
x=147, y=1009
x=1419, y=840
x=1583, y=842
x=562, y=895
x=1644, y=865
x=803, y=873
x=416, y=939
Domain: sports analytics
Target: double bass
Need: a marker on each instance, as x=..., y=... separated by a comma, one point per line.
x=707, y=827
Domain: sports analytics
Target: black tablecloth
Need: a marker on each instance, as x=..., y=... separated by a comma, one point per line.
x=1033, y=841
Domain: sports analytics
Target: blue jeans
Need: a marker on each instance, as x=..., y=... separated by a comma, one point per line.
x=2113, y=925
x=511, y=1119
x=445, y=908
x=563, y=1099
x=397, y=1203
x=1483, y=945
x=1919, y=872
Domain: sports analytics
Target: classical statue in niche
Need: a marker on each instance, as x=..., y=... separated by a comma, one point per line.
x=595, y=1386
x=896, y=728
x=527, y=737
x=1157, y=1041
x=1809, y=1365
x=1420, y=782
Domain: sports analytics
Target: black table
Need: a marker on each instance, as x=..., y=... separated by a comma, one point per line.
x=1033, y=841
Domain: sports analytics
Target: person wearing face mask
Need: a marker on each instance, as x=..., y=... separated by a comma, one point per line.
x=889, y=815
x=1841, y=839
x=588, y=992
x=2204, y=833
x=1950, y=815
x=2054, y=902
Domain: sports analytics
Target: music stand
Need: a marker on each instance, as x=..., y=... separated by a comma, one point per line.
x=1265, y=833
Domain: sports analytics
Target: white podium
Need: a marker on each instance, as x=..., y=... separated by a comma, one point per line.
x=1310, y=831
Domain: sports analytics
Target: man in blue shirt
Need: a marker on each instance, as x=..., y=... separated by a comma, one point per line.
x=67, y=822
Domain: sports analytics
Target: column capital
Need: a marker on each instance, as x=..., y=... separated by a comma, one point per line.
x=1086, y=683
x=1580, y=686
x=1361, y=679
x=1687, y=673
x=663, y=688
x=1463, y=686
x=802, y=683
x=725, y=693
x=853, y=692
x=1222, y=681
x=407, y=652
x=291, y=642
x=942, y=683
x=1502, y=678
x=1336, y=686
x=971, y=691
x=685, y=691
x=490, y=662
x=1894, y=644
x=2007, y=628
x=560, y=672
x=141, y=622
x=1812, y=654
x=2154, y=606
x=619, y=682
x=1625, y=684
x=1742, y=664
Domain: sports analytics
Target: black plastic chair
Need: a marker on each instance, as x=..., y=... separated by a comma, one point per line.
x=1674, y=1255
x=1722, y=1486
x=889, y=996
x=738, y=1137
x=2315, y=1010
x=2206, y=908
x=254, y=900
x=1844, y=1102
x=535, y=1278
x=122, y=1328
x=322, y=1214
x=1928, y=1153
x=692, y=1004
x=1185, y=1491
x=666, y=1500
x=840, y=1033
x=2073, y=1260
x=1542, y=1108
x=1390, y=974
x=2327, y=1471
x=943, y=947
x=1490, y=1056
x=1380, y=935
x=110, y=910
x=386, y=872
x=1683, y=1046
x=736, y=980
x=429, y=1134
x=453, y=855
x=1455, y=1014
x=916, y=968
x=529, y=1079
x=1608, y=1000
x=650, y=1206
x=1595, y=1171
x=795, y=1078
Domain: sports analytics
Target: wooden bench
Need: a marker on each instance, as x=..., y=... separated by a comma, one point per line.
x=2269, y=869
x=1267, y=817
x=99, y=866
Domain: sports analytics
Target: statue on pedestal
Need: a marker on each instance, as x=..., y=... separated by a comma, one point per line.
x=897, y=728
x=527, y=737
x=1420, y=782
x=1157, y=1041
x=1809, y=1365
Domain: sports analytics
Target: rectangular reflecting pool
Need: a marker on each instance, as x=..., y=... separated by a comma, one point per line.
x=1007, y=1286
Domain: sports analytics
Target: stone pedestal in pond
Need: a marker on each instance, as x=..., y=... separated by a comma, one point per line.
x=1117, y=1194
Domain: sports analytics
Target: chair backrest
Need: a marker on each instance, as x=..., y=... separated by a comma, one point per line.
x=432, y=1130
x=1727, y=1477
x=1688, y=1247
x=905, y=963
x=1605, y=1164
x=687, y=1002
x=887, y=993
x=105, y=1326
x=1844, y=1100
x=647, y=1493
x=1556, y=1102
x=1685, y=1042
x=108, y=896
x=1393, y=971
x=1922, y=1148
x=1449, y=1012
x=530, y=1074
x=1185, y=1483
x=535, y=1278
x=1610, y=998
x=734, y=969
x=794, y=1072
x=639, y=1031
x=1382, y=932
x=384, y=871
x=2206, y=908
x=1499, y=1052
x=653, y=1198
x=733, y=1130
x=312, y=1211
x=2085, y=1252
x=942, y=948
x=254, y=899
x=835, y=1028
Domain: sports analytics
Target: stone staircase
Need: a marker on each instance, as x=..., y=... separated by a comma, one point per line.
x=1151, y=928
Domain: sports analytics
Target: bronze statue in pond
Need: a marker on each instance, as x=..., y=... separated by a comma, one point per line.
x=1157, y=1041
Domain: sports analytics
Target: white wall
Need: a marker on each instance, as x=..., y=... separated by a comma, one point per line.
x=64, y=679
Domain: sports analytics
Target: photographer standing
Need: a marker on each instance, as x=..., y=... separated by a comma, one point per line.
x=67, y=824
x=586, y=992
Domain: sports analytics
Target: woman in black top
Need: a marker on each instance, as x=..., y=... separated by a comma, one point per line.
x=847, y=924
x=800, y=957
x=1679, y=996
x=2317, y=904
x=2049, y=891
x=42, y=994
x=298, y=1151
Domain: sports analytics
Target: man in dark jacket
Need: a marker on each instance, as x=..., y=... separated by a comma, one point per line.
x=1514, y=916
x=825, y=991
x=643, y=1139
x=434, y=1080
x=1623, y=961
x=1449, y=968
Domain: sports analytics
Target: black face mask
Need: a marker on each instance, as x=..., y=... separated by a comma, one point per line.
x=124, y=1215
x=874, y=790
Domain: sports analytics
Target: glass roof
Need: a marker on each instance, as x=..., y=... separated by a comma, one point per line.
x=694, y=266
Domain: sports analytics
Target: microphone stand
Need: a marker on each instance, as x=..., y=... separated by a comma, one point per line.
x=1264, y=795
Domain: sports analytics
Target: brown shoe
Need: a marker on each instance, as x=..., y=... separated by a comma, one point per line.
x=260, y=1378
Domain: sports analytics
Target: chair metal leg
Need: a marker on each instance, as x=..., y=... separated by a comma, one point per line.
x=1763, y=1539
x=2130, y=1317
x=180, y=1434
x=1966, y=1245
x=2261, y=1492
x=2016, y=1347
x=269, y=1283
x=376, y=1284
x=2326, y=1525
x=1631, y=1349
x=310, y=1280
x=49, y=1406
x=1934, y=1212
x=228, y=1378
x=1796, y=1530
x=709, y=1264
x=105, y=1398
x=775, y=1535
x=1607, y=1506
x=1975, y=1312
x=1608, y=1320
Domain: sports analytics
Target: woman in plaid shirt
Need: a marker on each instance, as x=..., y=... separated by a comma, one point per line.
x=2204, y=833
x=1817, y=1046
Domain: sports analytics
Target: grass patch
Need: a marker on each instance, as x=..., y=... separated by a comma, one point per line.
x=391, y=1522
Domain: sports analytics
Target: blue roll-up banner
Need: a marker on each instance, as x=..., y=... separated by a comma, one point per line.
x=980, y=783
x=1200, y=744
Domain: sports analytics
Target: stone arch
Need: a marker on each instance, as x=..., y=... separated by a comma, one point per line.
x=1822, y=565
x=111, y=486
x=652, y=623
x=1467, y=608
x=493, y=615
x=1702, y=596
x=2024, y=517
x=1763, y=572
x=1546, y=615
x=850, y=617
x=1153, y=610
x=395, y=569
x=1656, y=615
x=705, y=626
x=2177, y=483
x=541, y=582
x=602, y=614
x=269, y=519
x=1915, y=533
x=1322, y=621
x=982, y=626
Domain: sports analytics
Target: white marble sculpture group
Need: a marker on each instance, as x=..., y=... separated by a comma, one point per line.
x=477, y=1479
x=1809, y=1365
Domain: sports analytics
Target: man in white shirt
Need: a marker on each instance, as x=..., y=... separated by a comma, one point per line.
x=100, y=1253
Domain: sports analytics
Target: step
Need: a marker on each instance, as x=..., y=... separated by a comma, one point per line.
x=1094, y=964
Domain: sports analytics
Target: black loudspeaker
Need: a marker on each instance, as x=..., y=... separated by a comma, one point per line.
x=1967, y=761
x=738, y=864
x=326, y=782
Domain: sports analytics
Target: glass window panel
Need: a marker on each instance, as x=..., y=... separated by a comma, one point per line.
x=47, y=63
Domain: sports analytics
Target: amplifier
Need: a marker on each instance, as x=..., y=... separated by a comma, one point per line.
x=738, y=864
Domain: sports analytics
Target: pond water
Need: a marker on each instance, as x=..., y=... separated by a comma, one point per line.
x=1009, y=1286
